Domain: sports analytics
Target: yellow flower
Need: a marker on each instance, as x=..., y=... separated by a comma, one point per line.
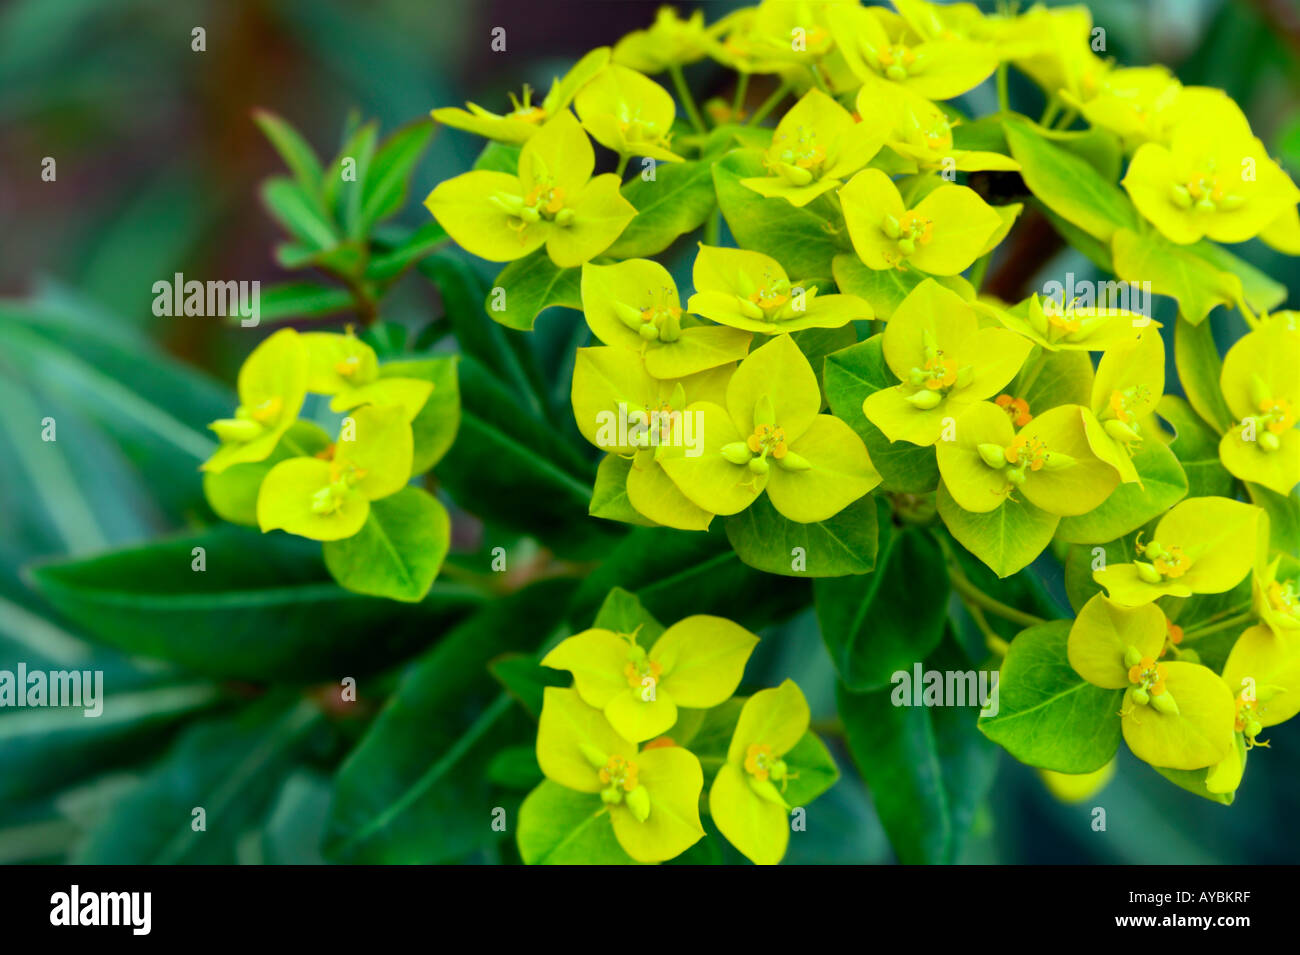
x=554, y=201
x=628, y=113
x=272, y=386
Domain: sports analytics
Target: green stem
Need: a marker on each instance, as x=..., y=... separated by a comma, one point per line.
x=995, y=643
x=622, y=166
x=688, y=101
x=769, y=104
x=1003, y=100
x=980, y=270
x=1068, y=119
x=972, y=594
x=1051, y=112
x=738, y=101
x=1228, y=624
x=1251, y=318
x=713, y=228
x=820, y=80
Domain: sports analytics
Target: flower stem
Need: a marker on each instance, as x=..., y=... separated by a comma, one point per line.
x=1003, y=101
x=973, y=595
x=769, y=104
x=1228, y=624
x=738, y=101
x=688, y=101
x=1251, y=318
x=622, y=166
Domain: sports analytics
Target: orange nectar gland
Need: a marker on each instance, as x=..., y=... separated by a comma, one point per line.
x=330, y=498
x=1118, y=420
x=544, y=202
x=1017, y=409
x=908, y=231
x=347, y=367
x=637, y=130
x=897, y=61
x=641, y=672
x=937, y=375
x=1204, y=192
x=760, y=764
x=1276, y=416
x=657, y=321
x=619, y=777
x=1148, y=679
x=799, y=162
x=767, y=300
x=1161, y=563
x=767, y=440
x=249, y=423
x=1173, y=636
x=1247, y=717
x=1024, y=453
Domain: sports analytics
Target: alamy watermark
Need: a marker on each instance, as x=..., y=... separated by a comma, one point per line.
x=922, y=687
x=56, y=688
x=1098, y=298
x=194, y=298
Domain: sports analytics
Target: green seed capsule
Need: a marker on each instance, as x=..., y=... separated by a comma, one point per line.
x=751, y=310
x=1132, y=657
x=638, y=800
x=1254, y=728
x=758, y=465
x=1268, y=441
x=794, y=175
x=236, y=430
x=737, y=452
x=1205, y=205
x=1120, y=431
x=925, y=400
x=993, y=455
x=917, y=377
x=896, y=73
x=891, y=227
x=610, y=797
x=1015, y=475
x=530, y=215
x=1141, y=696
x=1164, y=703
x=564, y=217
x=793, y=462
x=907, y=246
x=648, y=332
x=1180, y=197
x=1147, y=572
x=1056, y=461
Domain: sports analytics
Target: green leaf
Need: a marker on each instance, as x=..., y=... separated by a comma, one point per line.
x=1163, y=484
x=885, y=289
x=800, y=239
x=1196, y=446
x=559, y=826
x=345, y=195
x=43, y=749
x=415, y=790
x=264, y=608
x=1193, y=780
x=816, y=770
x=675, y=202
x=1083, y=560
x=1007, y=538
x=515, y=767
x=293, y=149
x=398, y=551
x=928, y=768
x=843, y=544
x=1262, y=293
x=1175, y=271
x=291, y=206
x=232, y=769
x=879, y=624
x=676, y=574
x=435, y=426
x=1048, y=716
x=527, y=287
x=526, y=680
x=1069, y=185
x=1199, y=366
x=386, y=266
x=390, y=172
x=502, y=448
x=1054, y=378
x=851, y=375
x=499, y=157
x=291, y=300
x=609, y=497
x=623, y=612
x=1283, y=517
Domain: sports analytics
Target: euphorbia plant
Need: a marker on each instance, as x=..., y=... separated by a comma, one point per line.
x=797, y=320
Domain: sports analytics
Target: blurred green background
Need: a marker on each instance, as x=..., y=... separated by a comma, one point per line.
x=158, y=164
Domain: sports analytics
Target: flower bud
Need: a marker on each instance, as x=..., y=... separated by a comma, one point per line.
x=737, y=452
x=992, y=455
x=1147, y=572
x=925, y=400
